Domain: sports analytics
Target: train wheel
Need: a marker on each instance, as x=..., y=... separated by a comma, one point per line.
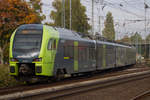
x=72, y=75
x=60, y=75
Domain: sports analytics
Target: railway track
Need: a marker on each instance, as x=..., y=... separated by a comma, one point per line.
x=143, y=96
x=102, y=74
x=62, y=89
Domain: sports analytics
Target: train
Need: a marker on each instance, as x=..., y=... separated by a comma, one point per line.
x=42, y=52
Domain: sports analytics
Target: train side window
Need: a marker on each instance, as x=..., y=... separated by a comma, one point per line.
x=81, y=53
x=52, y=44
x=84, y=54
x=87, y=53
x=69, y=51
x=93, y=56
x=92, y=53
x=65, y=51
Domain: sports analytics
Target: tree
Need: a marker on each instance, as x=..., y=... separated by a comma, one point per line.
x=79, y=18
x=136, y=38
x=109, y=31
x=36, y=5
x=148, y=38
x=125, y=39
x=12, y=14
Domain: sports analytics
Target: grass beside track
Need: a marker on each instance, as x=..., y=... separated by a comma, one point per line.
x=5, y=79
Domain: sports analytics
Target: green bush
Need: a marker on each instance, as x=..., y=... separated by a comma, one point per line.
x=5, y=79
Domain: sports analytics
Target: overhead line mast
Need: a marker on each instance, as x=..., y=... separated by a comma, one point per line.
x=93, y=33
x=70, y=14
x=63, y=14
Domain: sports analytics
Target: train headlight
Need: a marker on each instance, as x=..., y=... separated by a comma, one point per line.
x=12, y=69
x=13, y=60
x=38, y=69
x=37, y=59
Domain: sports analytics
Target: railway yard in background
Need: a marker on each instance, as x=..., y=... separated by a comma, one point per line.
x=127, y=83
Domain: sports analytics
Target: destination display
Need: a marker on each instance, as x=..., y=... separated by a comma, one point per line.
x=31, y=32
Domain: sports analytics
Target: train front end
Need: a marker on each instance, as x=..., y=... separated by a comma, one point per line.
x=28, y=53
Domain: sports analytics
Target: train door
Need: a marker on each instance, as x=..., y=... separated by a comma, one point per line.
x=115, y=56
x=50, y=54
x=99, y=56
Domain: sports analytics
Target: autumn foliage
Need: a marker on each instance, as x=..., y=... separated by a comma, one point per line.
x=12, y=14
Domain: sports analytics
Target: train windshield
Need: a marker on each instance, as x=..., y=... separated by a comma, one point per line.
x=27, y=42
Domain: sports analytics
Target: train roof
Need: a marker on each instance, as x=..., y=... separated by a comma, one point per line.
x=72, y=35
x=68, y=34
x=112, y=43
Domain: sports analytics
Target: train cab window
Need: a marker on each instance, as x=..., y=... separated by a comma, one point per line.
x=52, y=44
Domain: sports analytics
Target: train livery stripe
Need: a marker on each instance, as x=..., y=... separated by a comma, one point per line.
x=11, y=44
x=75, y=56
x=14, y=64
x=104, y=55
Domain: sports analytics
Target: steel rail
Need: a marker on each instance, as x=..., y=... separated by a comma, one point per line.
x=141, y=95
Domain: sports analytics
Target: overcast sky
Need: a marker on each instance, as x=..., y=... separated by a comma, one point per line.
x=125, y=13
